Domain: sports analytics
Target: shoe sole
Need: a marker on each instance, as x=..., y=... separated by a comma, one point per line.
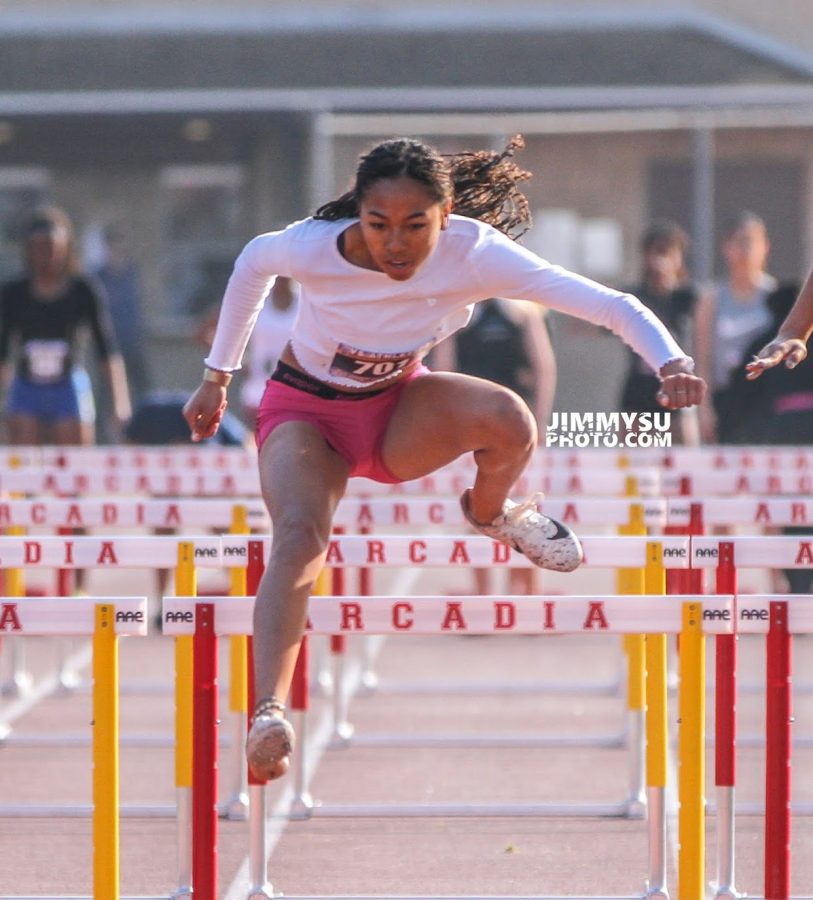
x=268, y=748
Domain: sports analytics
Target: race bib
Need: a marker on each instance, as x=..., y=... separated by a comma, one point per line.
x=366, y=366
x=46, y=359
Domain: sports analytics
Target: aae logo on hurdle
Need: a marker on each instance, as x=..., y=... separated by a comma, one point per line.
x=71, y=615
x=609, y=429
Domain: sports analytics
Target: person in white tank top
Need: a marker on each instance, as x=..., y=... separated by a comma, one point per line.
x=275, y=324
x=386, y=271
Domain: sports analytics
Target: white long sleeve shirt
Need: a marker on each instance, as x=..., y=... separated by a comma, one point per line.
x=358, y=327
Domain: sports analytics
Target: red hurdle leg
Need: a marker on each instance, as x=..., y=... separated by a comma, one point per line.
x=257, y=813
x=204, y=754
x=725, y=729
x=778, y=755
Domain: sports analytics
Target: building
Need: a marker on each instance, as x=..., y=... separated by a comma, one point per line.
x=199, y=127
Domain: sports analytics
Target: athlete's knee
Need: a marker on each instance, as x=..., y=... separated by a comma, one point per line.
x=508, y=416
x=299, y=538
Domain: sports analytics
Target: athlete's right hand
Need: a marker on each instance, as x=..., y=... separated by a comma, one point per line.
x=204, y=410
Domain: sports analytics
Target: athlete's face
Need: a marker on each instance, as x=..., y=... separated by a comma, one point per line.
x=400, y=223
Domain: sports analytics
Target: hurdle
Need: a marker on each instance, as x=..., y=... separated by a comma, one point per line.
x=609, y=512
x=537, y=615
x=104, y=620
x=630, y=519
x=755, y=615
x=775, y=457
x=632, y=552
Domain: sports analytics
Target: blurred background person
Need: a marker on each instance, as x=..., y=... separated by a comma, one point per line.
x=271, y=333
x=730, y=315
x=665, y=288
x=118, y=274
x=506, y=342
x=43, y=316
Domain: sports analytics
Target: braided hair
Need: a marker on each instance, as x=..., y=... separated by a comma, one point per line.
x=481, y=184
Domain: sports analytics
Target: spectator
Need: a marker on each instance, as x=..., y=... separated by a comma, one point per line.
x=42, y=314
x=729, y=316
x=275, y=324
x=663, y=287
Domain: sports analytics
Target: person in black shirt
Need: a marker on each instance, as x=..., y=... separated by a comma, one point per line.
x=42, y=315
x=664, y=288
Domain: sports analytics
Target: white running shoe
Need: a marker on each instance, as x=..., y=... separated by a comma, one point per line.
x=270, y=740
x=546, y=542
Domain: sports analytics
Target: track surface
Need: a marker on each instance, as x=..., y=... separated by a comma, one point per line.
x=463, y=686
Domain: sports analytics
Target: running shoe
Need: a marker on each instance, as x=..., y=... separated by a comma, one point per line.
x=546, y=542
x=270, y=741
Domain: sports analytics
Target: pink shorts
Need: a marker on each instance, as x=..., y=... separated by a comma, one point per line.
x=353, y=428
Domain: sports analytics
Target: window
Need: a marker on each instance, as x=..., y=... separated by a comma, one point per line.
x=203, y=225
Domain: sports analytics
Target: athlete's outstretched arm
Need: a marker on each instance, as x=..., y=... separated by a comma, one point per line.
x=790, y=344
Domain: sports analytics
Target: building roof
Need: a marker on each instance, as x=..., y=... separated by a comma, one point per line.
x=552, y=57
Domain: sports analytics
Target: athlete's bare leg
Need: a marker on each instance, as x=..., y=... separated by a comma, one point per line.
x=302, y=481
x=443, y=415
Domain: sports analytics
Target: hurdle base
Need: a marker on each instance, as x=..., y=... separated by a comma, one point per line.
x=636, y=807
x=68, y=682
x=322, y=685
x=342, y=735
x=235, y=809
x=464, y=810
x=302, y=807
x=265, y=892
x=726, y=892
x=480, y=742
x=368, y=683
x=19, y=685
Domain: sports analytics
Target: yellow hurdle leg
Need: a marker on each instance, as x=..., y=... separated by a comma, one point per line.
x=691, y=751
x=631, y=581
x=236, y=807
x=656, y=732
x=185, y=586
x=105, y=755
x=238, y=656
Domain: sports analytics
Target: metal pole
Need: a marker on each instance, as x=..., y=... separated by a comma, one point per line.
x=703, y=187
x=319, y=175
